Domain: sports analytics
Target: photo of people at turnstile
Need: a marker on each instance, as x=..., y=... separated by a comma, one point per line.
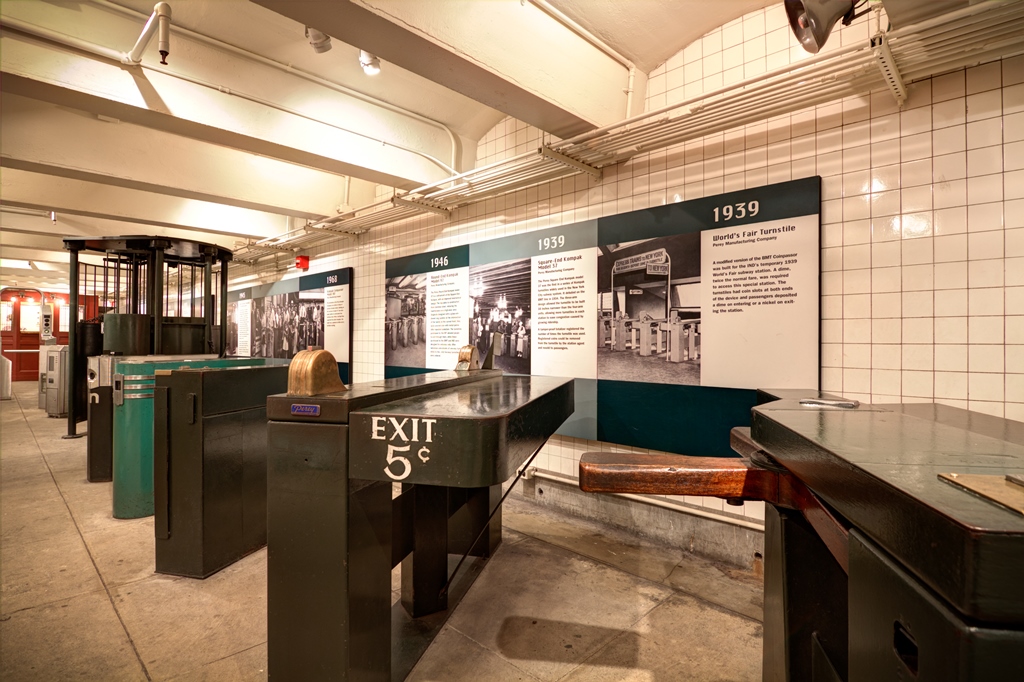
x=500, y=304
x=649, y=310
x=405, y=321
x=284, y=324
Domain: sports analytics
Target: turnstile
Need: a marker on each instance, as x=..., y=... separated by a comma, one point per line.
x=57, y=381
x=210, y=465
x=334, y=531
x=100, y=433
x=134, y=382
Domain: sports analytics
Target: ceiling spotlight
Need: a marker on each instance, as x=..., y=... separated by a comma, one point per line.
x=369, y=62
x=812, y=20
x=320, y=42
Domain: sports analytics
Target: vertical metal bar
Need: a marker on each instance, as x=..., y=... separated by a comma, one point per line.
x=106, y=279
x=72, y=340
x=158, y=317
x=208, y=300
x=133, y=285
x=181, y=276
x=223, y=306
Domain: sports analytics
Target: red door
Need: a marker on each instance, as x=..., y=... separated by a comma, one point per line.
x=19, y=329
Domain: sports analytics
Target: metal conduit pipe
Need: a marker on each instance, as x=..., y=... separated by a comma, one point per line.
x=99, y=50
x=969, y=44
x=726, y=116
x=772, y=87
x=942, y=39
x=730, y=118
x=302, y=74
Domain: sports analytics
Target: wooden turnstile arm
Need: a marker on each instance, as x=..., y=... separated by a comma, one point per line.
x=616, y=472
x=755, y=477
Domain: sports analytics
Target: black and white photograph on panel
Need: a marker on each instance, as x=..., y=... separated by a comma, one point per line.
x=500, y=313
x=649, y=310
x=232, y=343
x=308, y=331
x=405, y=321
x=275, y=326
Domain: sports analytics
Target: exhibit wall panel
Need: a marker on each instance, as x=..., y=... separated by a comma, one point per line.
x=280, y=319
x=922, y=212
x=718, y=293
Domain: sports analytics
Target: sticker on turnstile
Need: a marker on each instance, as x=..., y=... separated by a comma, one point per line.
x=412, y=431
x=306, y=410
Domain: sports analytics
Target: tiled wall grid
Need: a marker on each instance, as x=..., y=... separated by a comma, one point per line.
x=922, y=222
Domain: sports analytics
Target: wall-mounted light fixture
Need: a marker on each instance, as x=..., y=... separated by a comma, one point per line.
x=369, y=62
x=320, y=42
x=812, y=20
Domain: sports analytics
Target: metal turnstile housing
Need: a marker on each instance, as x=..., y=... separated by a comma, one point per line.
x=56, y=381
x=210, y=465
x=335, y=532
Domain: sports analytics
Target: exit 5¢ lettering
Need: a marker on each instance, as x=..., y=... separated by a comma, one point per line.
x=407, y=430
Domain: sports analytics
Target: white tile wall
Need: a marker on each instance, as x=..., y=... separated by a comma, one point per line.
x=922, y=221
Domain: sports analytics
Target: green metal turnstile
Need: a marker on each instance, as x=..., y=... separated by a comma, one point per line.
x=334, y=531
x=134, y=382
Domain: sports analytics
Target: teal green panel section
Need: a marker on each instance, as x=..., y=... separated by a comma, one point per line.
x=333, y=278
x=432, y=261
x=583, y=422
x=395, y=372
x=537, y=243
x=774, y=202
x=133, y=458
x=689, y=420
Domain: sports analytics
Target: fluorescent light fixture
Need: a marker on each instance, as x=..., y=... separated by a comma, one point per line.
x=369, y=62
x=320, y=42
x=14, y=263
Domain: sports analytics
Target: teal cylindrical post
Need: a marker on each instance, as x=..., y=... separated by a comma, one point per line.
x=133, y=443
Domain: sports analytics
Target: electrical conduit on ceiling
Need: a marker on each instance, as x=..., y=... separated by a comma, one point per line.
x=115, y=55
x=313, y=78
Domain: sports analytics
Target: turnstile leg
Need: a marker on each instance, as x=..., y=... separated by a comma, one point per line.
x=425, y=570
x=805, y=603
x=99, y=456
x=475, y=506
x=328, y=560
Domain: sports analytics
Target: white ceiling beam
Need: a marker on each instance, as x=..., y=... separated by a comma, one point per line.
x=219, y=97
x=506, y=54
x=30, y=190
x=69, y=225
x=42, y=137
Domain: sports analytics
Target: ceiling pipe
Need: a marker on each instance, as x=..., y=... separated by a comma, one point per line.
x=107, y=53
x=159, y=22
x=313, y=78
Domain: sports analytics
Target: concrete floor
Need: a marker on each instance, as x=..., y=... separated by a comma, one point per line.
x=562, y=599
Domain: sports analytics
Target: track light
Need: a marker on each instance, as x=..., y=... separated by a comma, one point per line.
x=320, y=42
x=812, y=20
x=369, y=62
